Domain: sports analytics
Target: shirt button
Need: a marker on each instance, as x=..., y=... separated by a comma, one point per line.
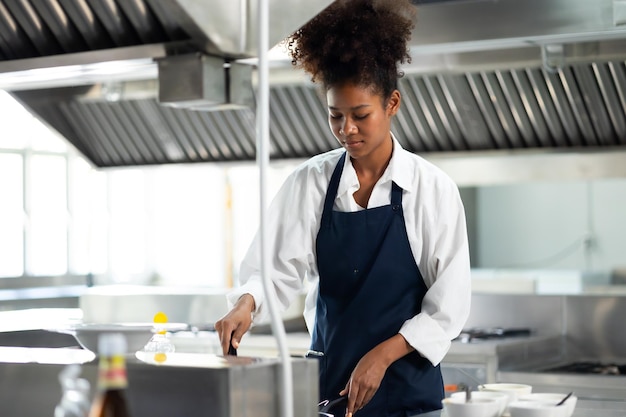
x=356, y=271
x=395, y=207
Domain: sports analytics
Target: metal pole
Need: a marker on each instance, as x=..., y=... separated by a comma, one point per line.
x=262, y=125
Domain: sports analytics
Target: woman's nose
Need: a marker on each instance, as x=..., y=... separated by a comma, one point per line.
x=347, y=128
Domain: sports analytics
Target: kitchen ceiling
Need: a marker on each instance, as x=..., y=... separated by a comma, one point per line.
x=140, y=82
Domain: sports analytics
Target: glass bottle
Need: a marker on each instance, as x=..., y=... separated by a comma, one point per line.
x=75, y=399
x=159, y=343
x=110, y=400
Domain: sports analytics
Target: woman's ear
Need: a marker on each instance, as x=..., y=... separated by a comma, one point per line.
x=393, y=104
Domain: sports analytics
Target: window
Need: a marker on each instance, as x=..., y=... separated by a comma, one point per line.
x=46, y=209
x=11, y=215
x=33, y=178
x=179, y=225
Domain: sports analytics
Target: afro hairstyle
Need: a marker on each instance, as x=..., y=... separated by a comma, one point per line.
x=355, y=41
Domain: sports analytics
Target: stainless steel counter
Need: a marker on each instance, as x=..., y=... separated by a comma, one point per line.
x=583, y=409
x=479, y=362
x=515, y=359
x=587, y=386
x=185, y=384
x=190, y=385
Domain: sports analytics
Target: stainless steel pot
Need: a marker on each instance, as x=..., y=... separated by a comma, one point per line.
x=327, y=405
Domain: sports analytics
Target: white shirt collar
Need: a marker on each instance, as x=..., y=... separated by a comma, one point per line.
x=399, y=170
x=400, y=167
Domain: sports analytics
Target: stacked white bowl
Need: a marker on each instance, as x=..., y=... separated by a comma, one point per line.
x=542, y=405
x=513, y=391
x=476, y=407
x=501, y=398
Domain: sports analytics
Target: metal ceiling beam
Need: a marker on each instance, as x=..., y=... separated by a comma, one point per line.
x=229, y=28
x=526, y=166
x=456, y=26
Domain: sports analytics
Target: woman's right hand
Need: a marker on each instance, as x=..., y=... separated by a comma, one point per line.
x=235, y=323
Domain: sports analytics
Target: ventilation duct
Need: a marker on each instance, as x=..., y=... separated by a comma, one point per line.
x=203, y=82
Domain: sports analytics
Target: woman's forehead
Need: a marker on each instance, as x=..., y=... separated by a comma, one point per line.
x=351, y=96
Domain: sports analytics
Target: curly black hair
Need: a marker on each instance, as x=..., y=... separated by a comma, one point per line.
x=358, y=41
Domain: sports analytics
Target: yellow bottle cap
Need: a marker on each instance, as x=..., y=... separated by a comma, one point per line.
x=160, y=317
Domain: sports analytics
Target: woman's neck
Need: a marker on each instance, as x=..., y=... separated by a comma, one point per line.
x=374, y=165
x=368, y=171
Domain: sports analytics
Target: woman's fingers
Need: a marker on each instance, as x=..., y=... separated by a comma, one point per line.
x=235, y=323
x=224, y=331
x=358, y=397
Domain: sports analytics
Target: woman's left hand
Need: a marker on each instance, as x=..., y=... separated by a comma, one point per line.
x=369, y=372
x=364, y=381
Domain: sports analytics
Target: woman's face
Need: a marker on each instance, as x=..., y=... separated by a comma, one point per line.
x=360, y=120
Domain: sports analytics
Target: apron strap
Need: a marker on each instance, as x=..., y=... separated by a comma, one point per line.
x=331, y=193
x=396, y=196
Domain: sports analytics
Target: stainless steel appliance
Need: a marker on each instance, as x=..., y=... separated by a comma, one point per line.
x=590, y=367
x=476, y=334
x=588, y=358
x=585, y=383
x=593, y=377
x=190, y=385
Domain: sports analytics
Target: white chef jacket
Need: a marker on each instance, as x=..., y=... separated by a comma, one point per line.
x=435, y=225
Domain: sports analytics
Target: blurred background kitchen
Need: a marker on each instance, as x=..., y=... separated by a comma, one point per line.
x=551, y=216
x=128, y=180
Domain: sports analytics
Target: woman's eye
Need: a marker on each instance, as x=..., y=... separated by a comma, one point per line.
x=335, y=116
x=360, y=116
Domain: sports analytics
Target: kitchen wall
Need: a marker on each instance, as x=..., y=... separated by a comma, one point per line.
x=550, y=225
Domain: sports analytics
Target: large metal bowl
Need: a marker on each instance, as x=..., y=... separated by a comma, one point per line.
x=136, y=334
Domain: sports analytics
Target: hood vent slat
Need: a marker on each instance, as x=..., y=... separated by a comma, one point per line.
x=496, y=135
x=535, y=128
x=576, y=100
x=60, y=25
x=594, y=104
x=581, y=106
x=560, y=99
x=610, y=88
x=137, y=130
x=540, y=86
x=34, y=27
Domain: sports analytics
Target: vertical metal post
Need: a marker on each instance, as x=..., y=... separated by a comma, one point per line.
x=262, y=125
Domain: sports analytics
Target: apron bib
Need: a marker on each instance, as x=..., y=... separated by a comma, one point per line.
x=369, y=286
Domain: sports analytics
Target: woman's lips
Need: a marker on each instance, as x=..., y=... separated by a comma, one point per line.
x=353, y=143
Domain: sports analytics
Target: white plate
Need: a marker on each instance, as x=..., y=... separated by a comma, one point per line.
x=136, y=334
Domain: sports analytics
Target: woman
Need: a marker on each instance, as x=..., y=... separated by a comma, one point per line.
x=379, y=231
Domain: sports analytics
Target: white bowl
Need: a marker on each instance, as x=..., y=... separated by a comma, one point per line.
x=136, y=334
x=552, y=398
x=536, y=409
x=479, y=407
x=500, y=397
x=514, y=391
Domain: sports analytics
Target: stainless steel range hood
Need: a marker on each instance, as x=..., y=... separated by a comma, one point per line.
x=505, y=77
x=59, y=43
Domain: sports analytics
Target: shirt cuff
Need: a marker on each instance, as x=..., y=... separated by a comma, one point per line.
x=255, y=289
x=427, y=337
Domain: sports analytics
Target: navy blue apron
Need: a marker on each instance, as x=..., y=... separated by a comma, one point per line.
x=369, y=286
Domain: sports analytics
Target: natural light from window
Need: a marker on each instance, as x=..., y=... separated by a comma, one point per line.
x=178, y=225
